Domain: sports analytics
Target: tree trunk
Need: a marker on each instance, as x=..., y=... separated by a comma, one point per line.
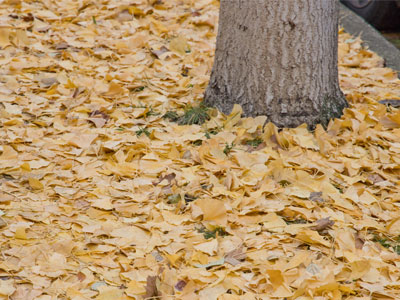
x=278, y=58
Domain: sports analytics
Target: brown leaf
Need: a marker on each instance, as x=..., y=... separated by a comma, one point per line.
x=98, y=118
x=159, y=52
x=28, y=18
x=323, y=224
x=316, y=196
x=359, y=241
x=259, y=147
x=81, y=276
x=151, y=287
x=77, y=91
x=168, y=177
x=375, y=178
x=48, y=82
x=180, y=285
x=235, y=256
x=61, y=46
x=196, y=13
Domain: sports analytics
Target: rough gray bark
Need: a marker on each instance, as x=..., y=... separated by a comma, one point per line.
x=278, y=58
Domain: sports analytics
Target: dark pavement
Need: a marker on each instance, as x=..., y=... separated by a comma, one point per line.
x=356, y=26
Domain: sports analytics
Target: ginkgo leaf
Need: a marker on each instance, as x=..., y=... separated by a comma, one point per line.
x=91, y=205
x=35, y=184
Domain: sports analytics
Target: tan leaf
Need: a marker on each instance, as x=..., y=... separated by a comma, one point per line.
x=235, y=256
x=179, y=45
x=213, y=210
x=323, y=224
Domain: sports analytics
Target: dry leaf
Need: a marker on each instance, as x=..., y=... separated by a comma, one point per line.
x=213, y=210
x=35, y=184
x=89, y=203
x=235, y=256
x=323, y=224
x=179, y=45
x=152, y=287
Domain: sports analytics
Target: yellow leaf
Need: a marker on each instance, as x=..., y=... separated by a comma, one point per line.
x=81, y=140
x=35, y=184
x=394, y=227
x=103, y=203
x=173, y=258
x=234, y=117
x=114, y=89
x=274, y=223
x=20, y=233
x=137, y=12
x=179, y=45
x=213, y=210
x=134, y=288
x=210, y=247
x=25, y=167
x=21, y=39
x=4, y=37
x=312, y=237
x=359, y=268
x=109, y=293
x=6, y=288
x=304, y=138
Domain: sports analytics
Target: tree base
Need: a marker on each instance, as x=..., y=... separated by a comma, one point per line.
x=284, y=113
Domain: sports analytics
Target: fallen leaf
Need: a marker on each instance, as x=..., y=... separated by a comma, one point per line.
x=323, y=224
x=317, y=197
x=235, y=256
x=179, y=45
x=7, y=287
x=35, y=184
x=180, y=285
x=312, y=237
x=218, y=262
x=152, y=287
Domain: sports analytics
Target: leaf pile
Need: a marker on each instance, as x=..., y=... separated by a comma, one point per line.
x=103, y=198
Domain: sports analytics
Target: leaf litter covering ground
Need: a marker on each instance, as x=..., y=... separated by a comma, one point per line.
x=103, y=198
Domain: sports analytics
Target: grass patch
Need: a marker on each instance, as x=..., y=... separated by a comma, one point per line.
x=210, y=132
x=150, y=112
x=194, y=115
x=139, y=89
x=299, y=220
x=171, y=115
x=284, y=183
x=141, y=130
x=197, y=142
x=254, y=142
x=191, y=115
x=228, y=148
x=174, y=199
x=212, y=234
x=387, y=243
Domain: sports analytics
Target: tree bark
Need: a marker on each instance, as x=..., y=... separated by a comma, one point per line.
x=278, y=58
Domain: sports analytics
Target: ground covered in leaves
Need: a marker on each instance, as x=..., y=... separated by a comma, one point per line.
x=107, y=193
